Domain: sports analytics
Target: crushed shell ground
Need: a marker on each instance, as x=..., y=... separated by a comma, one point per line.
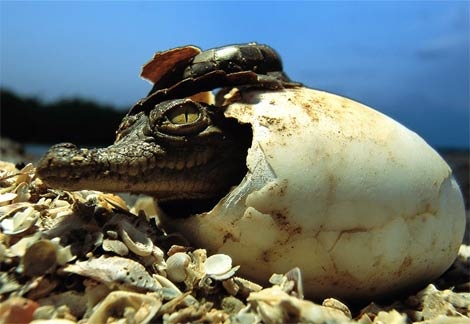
x=89, y=257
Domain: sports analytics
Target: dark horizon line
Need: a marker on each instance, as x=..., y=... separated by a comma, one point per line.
x=42, y=103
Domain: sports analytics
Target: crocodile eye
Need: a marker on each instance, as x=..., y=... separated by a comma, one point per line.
x=181, y=117
x=183, y=114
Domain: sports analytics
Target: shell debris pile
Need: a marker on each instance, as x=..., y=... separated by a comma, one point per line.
x=87, y=257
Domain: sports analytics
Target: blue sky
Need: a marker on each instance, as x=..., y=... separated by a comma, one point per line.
x=409, y=60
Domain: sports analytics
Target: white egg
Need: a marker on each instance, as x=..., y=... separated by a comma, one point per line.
x=362, y=205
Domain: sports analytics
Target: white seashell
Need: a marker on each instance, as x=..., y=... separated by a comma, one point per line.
x=135, y=240
x=291, y=282
x=247, y=285
x=337, y=189
x=29, y=169
x=20, y=221
x=395, y=317
x=226, y=275
x=57, y=203
x=122, y=305
x=146, y=204
x=336, y=304
x=177, y=265
x=158, y=254
x=64, y=253
x=6, y=211
x=115, y=246
x=25, y=175
x=7, y=198
x=167, y=284
x=115, y=201
x=114, y=271
x=218, y=265
x=22, y=190
x=8, y=171
x=275, y=306
x=56, y=208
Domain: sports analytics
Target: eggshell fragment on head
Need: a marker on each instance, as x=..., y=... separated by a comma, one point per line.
x=362, y=205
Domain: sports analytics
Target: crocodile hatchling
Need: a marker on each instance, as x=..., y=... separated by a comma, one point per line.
x=284, y=176
x=169, y=146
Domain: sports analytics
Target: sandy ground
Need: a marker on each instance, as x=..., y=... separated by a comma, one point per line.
x=42, y=279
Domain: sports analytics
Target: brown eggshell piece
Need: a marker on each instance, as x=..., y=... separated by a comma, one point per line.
x=163, y=62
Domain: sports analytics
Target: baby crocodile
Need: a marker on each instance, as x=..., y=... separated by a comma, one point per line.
x=182, y=149
x=169, y=146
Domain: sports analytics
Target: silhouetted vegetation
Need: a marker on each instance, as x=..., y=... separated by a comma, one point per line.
x=79, y=121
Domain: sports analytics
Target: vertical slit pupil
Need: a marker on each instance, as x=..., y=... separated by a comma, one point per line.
x=183, y=115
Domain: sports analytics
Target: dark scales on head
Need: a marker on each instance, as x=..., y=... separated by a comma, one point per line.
x=183, y=151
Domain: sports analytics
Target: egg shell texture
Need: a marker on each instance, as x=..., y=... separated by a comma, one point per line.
x=362, y=205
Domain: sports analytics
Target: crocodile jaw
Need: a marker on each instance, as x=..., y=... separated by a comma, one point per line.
x=137, y=167
x=158, y=155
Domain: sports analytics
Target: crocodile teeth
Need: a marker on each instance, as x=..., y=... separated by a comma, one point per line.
x=161, y=164
x=133, y=171
x=190, y=163
x=202, y=158
x=180, y=165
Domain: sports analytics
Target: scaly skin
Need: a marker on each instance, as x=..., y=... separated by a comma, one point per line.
x=174, y=149
x=180, y=150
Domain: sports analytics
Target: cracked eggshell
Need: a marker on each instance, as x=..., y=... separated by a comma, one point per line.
x=362, y=205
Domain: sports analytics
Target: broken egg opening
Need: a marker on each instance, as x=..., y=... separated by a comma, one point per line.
x=362, y=205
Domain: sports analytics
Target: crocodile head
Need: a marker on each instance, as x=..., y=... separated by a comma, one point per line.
x=179, y=150
x=174, y=149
